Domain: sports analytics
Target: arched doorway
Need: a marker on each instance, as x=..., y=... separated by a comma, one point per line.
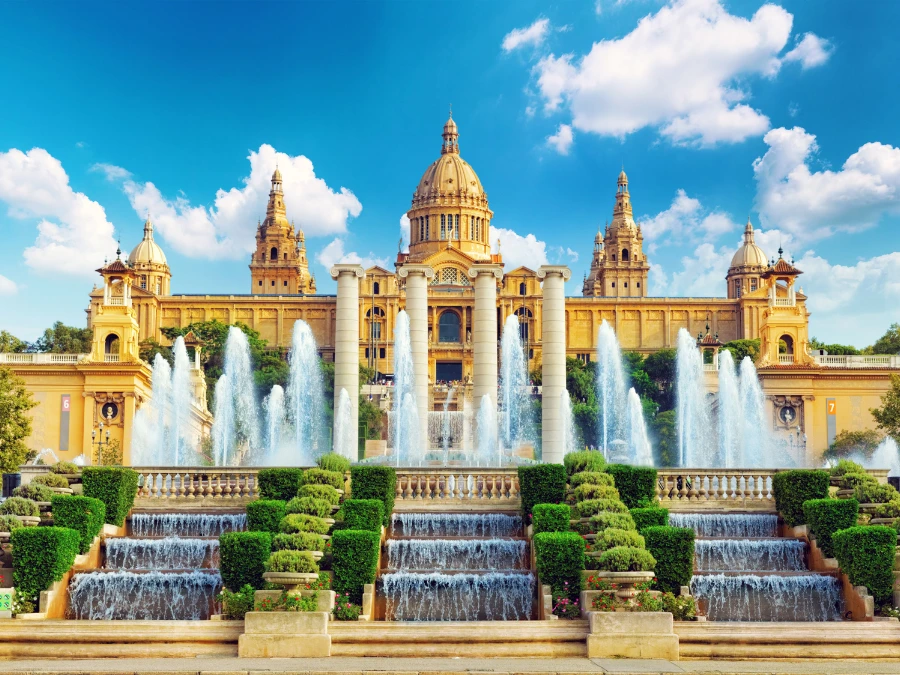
x=448, y=327
x=111, y=344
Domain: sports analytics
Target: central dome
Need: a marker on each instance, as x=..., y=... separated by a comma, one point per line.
x=147, y=251
x=749, y=254
x=450, y=175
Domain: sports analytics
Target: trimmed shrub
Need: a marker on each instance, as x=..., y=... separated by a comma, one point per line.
x=620, y=521
x=591, y=477
x=792, y=488
x=299, y=541
x=584, y=460
x=875, y=493
x=41, y=555
x=827, y=516
x=866, y=554
x=587, y=491
x=300, y=562
x=673, y=548
x=846, y=466
x=331, y=461
x=541, y=484
x=242, y=558
x=301, y=522
x=612, y=537
x=265, y=515
x=9, y=523
x=560, y=560
x=354, y=561
x=236, y=605
x=650, y=516
x=363, y=514
x=51, y=480
x=375, y=482
x=19, y=506
x=889, y=509
x=322, y=477
x=34, y=491
x=85, y=515
x=627, y=559
x=115, y=486
x=65, y=467
x=280, y=484
x=551, y=518
x=852, y=480
x=592, y=507
x=326, y=492
x=636, y=484
x=310, y=506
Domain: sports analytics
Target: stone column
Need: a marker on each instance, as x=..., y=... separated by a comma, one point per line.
x=346, y=341
x=553, y=336
x=417, y=277
x=484, y=332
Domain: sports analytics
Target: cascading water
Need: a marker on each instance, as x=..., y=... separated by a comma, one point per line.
x=405, y=418
x=455, y=525
x=343, y=427
x=169, y=553
x=186, y=524
x=236, y=434
x=639, y=443
x=306, y=396
x=750, y=555
x=691, y=405
x=161, y=409
x=446, y=428
x=223, y=425
x=456, y=554
x=567, y=420
x=492, y=596
x=487, y=447
x=610, y=387
x=274, y=408
x=516, y=423
x=737, y=525
x=730, y=434
x=757, y=442
x=181, y=403
x=886, y=456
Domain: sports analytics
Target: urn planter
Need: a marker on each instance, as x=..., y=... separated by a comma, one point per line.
x=29, y=521
x=625, y=582
x=290, y=581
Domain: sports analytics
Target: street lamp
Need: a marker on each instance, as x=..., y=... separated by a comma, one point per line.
x=104, y=441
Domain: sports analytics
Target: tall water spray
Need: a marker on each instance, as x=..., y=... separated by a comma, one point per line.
x=343, y=427
x=181, y=401
x=487, y=446
x=516, y=421
x=757, y=442
x=610, y=387
x=236, y=433
x=692, y=411
x=445, y=425
x=274, y=408
x=567, y=421
x=405, y=415
x=886, y=456
x=731, y=443
x=639, y=443
x=223, y=433
x=306, y=395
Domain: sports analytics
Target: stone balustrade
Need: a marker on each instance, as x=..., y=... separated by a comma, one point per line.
x=698, y=489
x=41, y=358
x=858, y=361
x=449, y=488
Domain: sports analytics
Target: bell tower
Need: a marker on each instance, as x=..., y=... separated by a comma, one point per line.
x=279, y=265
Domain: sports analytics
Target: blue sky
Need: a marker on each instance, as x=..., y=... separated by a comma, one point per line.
x=717, y=110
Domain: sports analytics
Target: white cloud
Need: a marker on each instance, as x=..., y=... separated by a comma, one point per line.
x=518, y=251
x=562, y=140
x=679, y=70
x=404, y=233
x=112, y=172
x=811, y=51
x=793, y=109
x=74, y=235
x=8, y=286
x=573, y=255
x=686, y=218
x=808, y=204
x=703, y=273
x=227, y=229
x=521, y=37
x=333, y=253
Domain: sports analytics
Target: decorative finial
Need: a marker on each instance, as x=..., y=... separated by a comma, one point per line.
x=119, y=249
x=451, y=111
x=780, y=252
x=498, y=245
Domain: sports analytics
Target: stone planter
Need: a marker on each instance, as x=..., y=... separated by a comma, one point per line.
x=868, y=508
x=62, y=491
x=285, y=635
x=625, y=583
x=29, y=521
x=632, y=635
x=845, y=493
x=330, y=521
x=881, y=521
x=290, y=581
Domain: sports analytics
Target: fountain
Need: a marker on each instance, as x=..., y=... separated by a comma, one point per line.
x=273, y=405
x=610, y=387
x=343, y=427
x=404, y=421
x=516, y=423
x=445, y=426
x=640, y=451
x=731, y=438
x=750, y=555
x=488, y=450
x=306, y=396
x=455, y=525
x=168, y=553
x=756, y=439
x=567, y=421
x=181, y=402
x=691, y=405
x=186, y=524
x=223, y=426
x=885, y=456
x=236, y=432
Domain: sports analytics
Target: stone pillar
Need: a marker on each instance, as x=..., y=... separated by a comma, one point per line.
x=553, y=362
x=417, y=277
x=484, y=332
x=346, y=341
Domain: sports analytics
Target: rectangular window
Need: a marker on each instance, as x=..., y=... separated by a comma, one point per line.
x=614, y=284
x=144, y=283
x=626, y=284
x=639, y=284
x=381, y=353
x=456, y=227
x=753, y=284
x=367, y=352
x=427, y=228
x=443, y=226
x=421, y=229
x=285, y=283
x=260, y=282
x=273, y=282
x=737, y=288
x=376, y=331
x=158, y=287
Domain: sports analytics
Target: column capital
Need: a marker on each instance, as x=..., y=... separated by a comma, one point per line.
x=486, y=268
x=547, y=270
x=425, y=270
x=338, y=270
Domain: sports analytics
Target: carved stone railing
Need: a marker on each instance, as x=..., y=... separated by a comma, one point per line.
x=160, y=486
x=449, y=488
x=41, y=358
x=699, y=489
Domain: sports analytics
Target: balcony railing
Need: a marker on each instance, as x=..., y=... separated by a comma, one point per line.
x=785, y=358
x=858, y=361
x=784, y=302
x=41, y=358
x=111, y=358
x=116, y=300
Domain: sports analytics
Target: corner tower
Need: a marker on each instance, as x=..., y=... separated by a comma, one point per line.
x=152, y=273
x=279, y=265
x=747, y=267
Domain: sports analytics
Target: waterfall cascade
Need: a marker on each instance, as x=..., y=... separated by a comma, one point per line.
x=457, y=567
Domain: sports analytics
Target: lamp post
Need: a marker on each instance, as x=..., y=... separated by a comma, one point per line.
x=104, y=441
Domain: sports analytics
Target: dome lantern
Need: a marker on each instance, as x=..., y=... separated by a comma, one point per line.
x=450, y=136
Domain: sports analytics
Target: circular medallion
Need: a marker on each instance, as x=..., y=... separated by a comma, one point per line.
x=109, y=411
x=788, y=414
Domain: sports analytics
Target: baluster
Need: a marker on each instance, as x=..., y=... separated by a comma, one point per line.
x=514, y=486
x=497, y=491
x=398, y=490
x=407, y=491
x=429, y=490
x=462, y=487
x=191, y=477
x=228, y=486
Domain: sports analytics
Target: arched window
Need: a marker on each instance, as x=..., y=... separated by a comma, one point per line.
x=522, y=288
x=786, y=344
x=111, y=345
x=448, y=327
x=273, y=254
x=525, y=316
x=376, y=288
x=375, y=317
x=427, y=228
x=624, y=255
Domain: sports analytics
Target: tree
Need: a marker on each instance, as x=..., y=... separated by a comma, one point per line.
x=664, y=428
x=580, y=380
x=63, y=339
x=888, y=415
x=149, y=348
x=15, y=422
x=10, y=344
x=889, y=343
x=848, y=443
x=833, y=349
x=660, y=367
x=587, y=420
x=372, y=417
x=741, y=348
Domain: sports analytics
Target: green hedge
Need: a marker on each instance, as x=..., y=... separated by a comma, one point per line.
x=85, y=515
x=541, y=484
x=320, y=508
x=375, y=482
x=41, y=555
x=592, y=478
x=604, y=519
x=302, y=522
x=866, y=554
x=281, y=484
x=650, y=516
x=793, y=488
x=551, y=518
x=673, y=548
x=363, y=514
x=354, y=561
x=323, y=477
x=612, y=537
x=626, y=559
x=587, y=491
x=590, y=507
x=636, y=484
x=560, y=561
x=326, y=492
x=243, y=557
x=264, y=515
x=331, y=461
x=115, y=486
x=584, y=460
x=827, y=516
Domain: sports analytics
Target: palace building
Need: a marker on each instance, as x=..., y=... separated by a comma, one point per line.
x=450, y=231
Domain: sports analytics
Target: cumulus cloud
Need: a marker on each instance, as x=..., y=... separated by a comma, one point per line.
x=533, y=35
x=562, y=140
x=333, y=253
x=811, y=51
x=111, y=171
x=686, y=218
x=812, y=204
x=8, y=286
x=74, y=235
x=703, y=273
x=227, y=229
x=404, y=233
x=680, y=70
x=519, y=251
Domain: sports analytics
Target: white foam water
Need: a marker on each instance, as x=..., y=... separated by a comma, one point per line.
x=456, y=554
x=143, y=596
x=727, y=524
x=186, y=524
x=169, y=553
x=750, y=555
x=456, y=524
x=774, y=597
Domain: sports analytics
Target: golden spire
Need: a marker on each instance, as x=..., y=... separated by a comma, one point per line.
x=450, y=136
